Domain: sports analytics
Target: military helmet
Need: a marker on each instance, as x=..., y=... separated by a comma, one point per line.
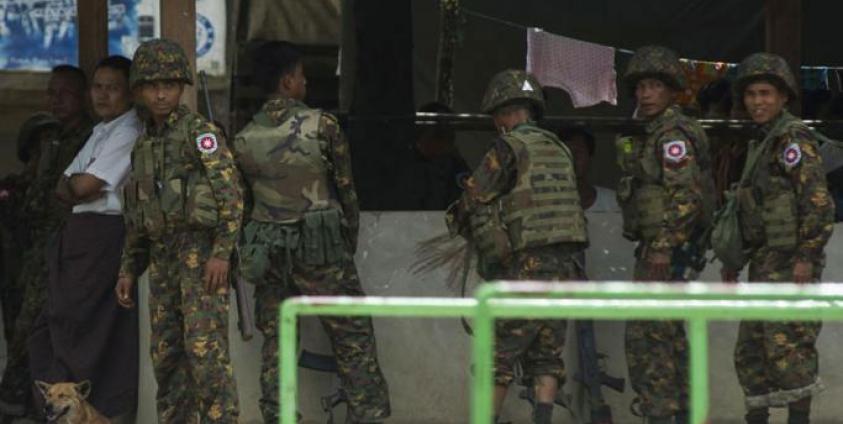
x=655, y=62
x=511, y=85
x=29, y=129
x=159, y=59
x=765, y=66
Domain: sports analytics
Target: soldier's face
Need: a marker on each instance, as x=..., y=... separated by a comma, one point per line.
x=763, y=101
x=110, y=93
x=295, y=83
x=160, y=97
x=65, y=97
x=653, y=96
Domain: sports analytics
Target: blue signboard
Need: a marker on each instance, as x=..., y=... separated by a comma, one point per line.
x=40, y=34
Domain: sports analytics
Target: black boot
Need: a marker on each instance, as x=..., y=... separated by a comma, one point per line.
x=543, y=413
x=681, y=417
x=799, y=412
x=757, y=416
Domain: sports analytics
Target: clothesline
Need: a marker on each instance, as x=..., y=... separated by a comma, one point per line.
x=475, y=14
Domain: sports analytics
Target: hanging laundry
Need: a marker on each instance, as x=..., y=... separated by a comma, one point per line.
x=815, y=79
x=585, y=70
x=697, y=75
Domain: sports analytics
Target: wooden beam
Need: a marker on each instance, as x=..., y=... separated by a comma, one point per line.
x=92, y=21
x=783, y=34
x=178, y=23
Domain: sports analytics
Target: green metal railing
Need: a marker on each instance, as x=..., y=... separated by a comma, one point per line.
x=697, y=303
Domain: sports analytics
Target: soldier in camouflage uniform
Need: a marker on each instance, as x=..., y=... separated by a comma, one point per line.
x=665, y=194
x=787, y=217
x=302, y=229
x=183, y=207
x=521, y=210
x=45, y=214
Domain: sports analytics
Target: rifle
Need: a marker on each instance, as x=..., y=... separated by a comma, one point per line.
x=592, y=376
x=245, y=310
x=324, y=363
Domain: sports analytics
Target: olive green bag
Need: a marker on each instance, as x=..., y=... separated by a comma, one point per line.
x=728, y=234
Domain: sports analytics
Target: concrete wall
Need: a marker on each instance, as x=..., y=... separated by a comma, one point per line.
x=426, y=360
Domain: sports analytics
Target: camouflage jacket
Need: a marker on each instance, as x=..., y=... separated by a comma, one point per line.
x=206, y=150
x=43, y=209
x=335, y=153
x=668, y=155
x=794, y=157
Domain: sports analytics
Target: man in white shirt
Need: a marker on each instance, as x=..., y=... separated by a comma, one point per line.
x=82, y=333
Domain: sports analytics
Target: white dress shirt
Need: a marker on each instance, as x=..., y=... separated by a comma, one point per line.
x=107, y=155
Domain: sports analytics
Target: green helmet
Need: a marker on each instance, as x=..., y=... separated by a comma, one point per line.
x=30, y=128
x=655, y=62
x=159, y=59
x=511, y=85
x=765, y=66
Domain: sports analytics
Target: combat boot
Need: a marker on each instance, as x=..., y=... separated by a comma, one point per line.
x=799, y=412
x=757, y=416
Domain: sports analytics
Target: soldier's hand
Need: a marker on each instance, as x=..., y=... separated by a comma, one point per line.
x=123, y=290
x=803, y=272
x=729, y=275
x=216, y=274
x=659, y=266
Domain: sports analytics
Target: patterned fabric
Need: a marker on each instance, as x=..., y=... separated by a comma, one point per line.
x=189, y=334
x=510, y=85
x=655, y=62
x=768, y=65
x=585, y=70
x=697, y=75
x=174, y=187
x=159, y=59
x=536, y=344
x=657, y=360
x=352, y=338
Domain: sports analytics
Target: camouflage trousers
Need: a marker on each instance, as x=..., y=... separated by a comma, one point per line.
x=536, y=344
x=777, y=362
x=657, y=360
x=189, y=342
x=352, y=338
x=16, y=384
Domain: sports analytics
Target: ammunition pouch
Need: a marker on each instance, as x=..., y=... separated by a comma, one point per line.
x=489, y=235
x=780, y=223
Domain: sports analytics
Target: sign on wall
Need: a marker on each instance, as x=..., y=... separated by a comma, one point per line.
x=39, y=34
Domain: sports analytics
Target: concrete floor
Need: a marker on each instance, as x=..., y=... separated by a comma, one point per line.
x=426, y=360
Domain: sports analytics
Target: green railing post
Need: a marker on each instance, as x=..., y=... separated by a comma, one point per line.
x=483, y=343
x=287, y=363
x=698, y=344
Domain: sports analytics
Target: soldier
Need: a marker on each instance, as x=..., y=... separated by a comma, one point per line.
x=183, y=208
x=786, y=217
x=302, y=229
x=665, y=195
x=66, y=96
x=522, y=210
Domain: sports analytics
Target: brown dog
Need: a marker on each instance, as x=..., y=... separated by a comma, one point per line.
x=64, y=403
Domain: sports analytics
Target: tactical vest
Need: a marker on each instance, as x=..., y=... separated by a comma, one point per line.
x=544, y=206
x=167, y=188
x=285, y=166
x=766, y=202
x=641, y=192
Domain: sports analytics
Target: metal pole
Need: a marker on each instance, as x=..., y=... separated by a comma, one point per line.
x=288, y=374
x=698, y=344
x=482, y=347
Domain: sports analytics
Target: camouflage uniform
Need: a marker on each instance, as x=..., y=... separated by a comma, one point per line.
x=662, y=194
x=777, y=362
x=300, y=239
x=45, y=215
x=525, y=188
x=183, y=206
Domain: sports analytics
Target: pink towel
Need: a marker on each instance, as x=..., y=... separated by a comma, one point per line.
x=585, y=70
